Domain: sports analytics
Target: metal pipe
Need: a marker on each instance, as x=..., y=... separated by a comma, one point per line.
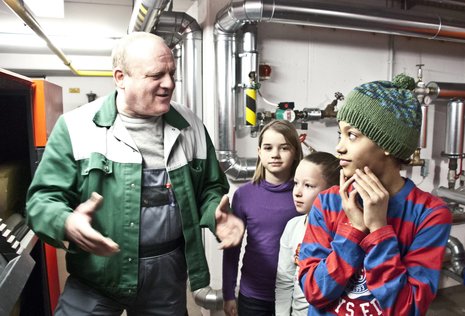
x=225, y=79
x=323, y=14
x=442, y=3
x=192, y=70
x=454, y=128
x=209, y=298
x=458, y=256
x=424, y=126
x=445, y=90
x=146, y=14
x=178, y=92
x=246, y=113
x=24, y=14
x=451, y=194
x=180, y=29
x=236, y=168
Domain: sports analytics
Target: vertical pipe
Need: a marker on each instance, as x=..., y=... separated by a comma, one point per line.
x=424, y=126
x=454, y=129
x=250, y=106
x=225, y=79
x=192, y=72
x=177, y=54
x=249, y=73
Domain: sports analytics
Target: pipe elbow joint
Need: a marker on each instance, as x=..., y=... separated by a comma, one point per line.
x=209, y=298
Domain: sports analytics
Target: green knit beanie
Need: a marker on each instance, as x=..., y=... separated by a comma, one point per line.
x=386, y=112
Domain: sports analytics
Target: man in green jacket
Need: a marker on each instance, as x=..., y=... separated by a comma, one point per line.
x=129, y=180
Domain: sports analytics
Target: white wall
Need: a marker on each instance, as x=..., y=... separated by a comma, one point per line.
x=71, y=100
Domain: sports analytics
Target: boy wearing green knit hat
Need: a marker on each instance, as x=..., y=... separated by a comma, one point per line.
x=374, y=244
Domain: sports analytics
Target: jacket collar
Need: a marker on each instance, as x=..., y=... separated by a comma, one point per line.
x=106, y=115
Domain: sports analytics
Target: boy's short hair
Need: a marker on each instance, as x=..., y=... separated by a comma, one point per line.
x=386, y=112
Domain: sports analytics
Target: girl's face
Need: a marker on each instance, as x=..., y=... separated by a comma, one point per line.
x=357, y=151
x=276, y=156
x=308, y=182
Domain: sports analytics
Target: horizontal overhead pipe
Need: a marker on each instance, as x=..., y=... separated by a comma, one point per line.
x=326, y=14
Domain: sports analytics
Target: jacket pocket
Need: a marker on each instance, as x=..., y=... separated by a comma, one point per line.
x=94, y=171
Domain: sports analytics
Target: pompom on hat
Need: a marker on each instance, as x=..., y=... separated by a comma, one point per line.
x=386, y=112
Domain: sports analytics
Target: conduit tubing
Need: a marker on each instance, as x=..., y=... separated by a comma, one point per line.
x=146, y=14
x=30, y=21
x=458, y=256
x=178, y=28
x=310, y=13
x=324, y=14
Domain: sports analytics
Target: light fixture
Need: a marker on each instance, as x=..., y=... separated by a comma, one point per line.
x=75, y=44
x=46, y=8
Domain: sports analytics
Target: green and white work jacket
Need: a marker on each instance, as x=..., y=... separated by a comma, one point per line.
x=90, y=150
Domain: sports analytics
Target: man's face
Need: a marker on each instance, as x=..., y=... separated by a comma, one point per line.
x=149, y=84
x=357, y=151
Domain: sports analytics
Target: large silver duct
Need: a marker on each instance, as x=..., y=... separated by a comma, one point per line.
x=302, y=12
x=235, y=167
x=145, y=14
x=325, y=14
x=181, y=31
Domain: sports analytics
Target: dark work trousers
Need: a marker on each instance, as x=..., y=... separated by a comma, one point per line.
x=161, y=291
x=247, y=306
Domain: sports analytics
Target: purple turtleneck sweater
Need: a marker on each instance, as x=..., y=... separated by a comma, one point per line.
x=265, y=209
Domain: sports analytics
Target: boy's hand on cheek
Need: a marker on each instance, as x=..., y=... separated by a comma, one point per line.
x=375, y=198
x=349, y=203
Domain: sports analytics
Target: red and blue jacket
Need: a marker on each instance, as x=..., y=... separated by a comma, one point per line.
x=394, y=270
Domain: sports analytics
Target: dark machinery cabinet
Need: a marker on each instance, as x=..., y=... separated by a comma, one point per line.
x=28, y=110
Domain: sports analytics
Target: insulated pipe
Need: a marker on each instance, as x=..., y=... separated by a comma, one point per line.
x=323, y=14
x=178, y=28
x=209, y=298
x=192, y=71
x=225, y=79
x=236, y=168
x=145, y=15
x=178, y=93
x=312, y=13
x=249, y=75
x=424, y=126
x=451, y=194
x=18, y=8
x=454, y=128
x=458, y=255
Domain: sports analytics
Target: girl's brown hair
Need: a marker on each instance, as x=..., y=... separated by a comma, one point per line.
x=289, y=132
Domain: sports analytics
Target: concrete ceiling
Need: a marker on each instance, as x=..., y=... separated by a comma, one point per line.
x=83, y=18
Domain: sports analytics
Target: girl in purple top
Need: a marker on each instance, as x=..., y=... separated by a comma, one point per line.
x=265, y=205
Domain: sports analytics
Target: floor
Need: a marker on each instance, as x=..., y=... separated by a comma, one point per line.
x=192, y=308
x=449, y=302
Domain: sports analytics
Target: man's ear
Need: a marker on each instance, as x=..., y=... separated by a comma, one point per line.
x=118, y=76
